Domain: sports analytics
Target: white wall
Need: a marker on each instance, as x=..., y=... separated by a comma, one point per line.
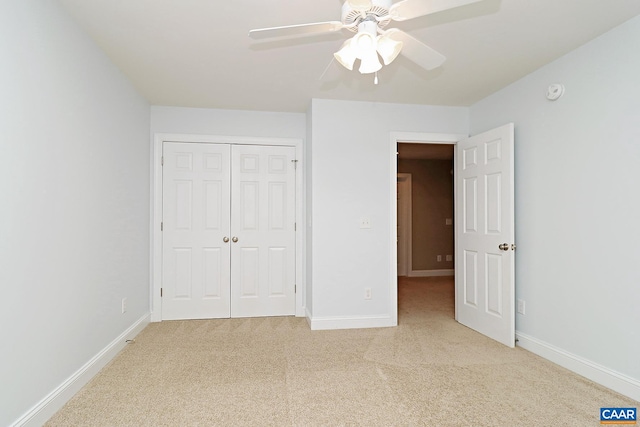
x=203, y=121
x=577, y=206
x=350, y=151
x=74, y=203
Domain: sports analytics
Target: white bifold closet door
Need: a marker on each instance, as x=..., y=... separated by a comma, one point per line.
x=228, y=231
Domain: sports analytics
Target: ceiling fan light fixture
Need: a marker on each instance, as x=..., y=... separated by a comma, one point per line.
x=363, y=44
x=370, y=64
x=346, y=56
x=388, y=48
x=372, y=43
x=365, y=41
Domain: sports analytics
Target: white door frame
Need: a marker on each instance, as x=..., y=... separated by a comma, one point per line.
x=394, y=139
x=155, y=260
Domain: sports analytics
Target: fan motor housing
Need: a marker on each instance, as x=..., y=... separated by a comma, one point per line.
x=378, y=8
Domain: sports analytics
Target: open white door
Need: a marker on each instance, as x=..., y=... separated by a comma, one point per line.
x=485, y=279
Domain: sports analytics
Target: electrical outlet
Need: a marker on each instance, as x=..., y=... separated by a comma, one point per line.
x=521, y=306
x=367, y=293
x=439, y=258
x=365, y=222
x=449, y=257
x=124, y=305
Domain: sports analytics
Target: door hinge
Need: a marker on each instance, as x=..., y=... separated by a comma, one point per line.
x=295, y=226
x=162, y=161
x=295, y=163
x=295, y=289
x=160, y=292
x=162, y=226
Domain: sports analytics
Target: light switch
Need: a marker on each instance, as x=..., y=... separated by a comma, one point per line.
x=448, y=221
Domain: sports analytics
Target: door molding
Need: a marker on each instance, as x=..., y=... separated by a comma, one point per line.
x=155, y=260
x=394, y=139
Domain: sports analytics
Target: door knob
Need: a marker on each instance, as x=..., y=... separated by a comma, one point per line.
x=504, y=247
x=234, y=239
x=225, y=239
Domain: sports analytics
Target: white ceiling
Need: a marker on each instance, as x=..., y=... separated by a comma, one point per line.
x=197, y=53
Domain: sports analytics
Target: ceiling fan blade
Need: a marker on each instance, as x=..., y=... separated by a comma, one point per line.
x=417, y=51
x=296, y=30
x=409, y=9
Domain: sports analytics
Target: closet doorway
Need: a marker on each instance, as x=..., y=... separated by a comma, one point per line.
x=228, y=230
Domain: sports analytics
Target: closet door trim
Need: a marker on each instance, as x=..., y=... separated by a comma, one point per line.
x=156, y=209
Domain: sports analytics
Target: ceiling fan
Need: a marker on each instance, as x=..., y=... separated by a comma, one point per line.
x=368, y=19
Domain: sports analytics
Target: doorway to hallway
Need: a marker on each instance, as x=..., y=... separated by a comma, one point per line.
x=425, y=210
x=484, y=228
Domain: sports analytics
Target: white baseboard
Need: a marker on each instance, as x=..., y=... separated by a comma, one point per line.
x=431, y=273
x=616, y=381
x=48, y=406
x=326, y=323
x=308, y=316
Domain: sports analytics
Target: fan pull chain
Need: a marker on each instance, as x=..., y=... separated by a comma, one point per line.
x=375, y=79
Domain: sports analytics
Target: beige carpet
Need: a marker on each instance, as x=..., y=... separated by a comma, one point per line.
x=428, y=371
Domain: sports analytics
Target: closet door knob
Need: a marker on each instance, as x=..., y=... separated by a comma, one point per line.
x=234, y=239
x=225, y=239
